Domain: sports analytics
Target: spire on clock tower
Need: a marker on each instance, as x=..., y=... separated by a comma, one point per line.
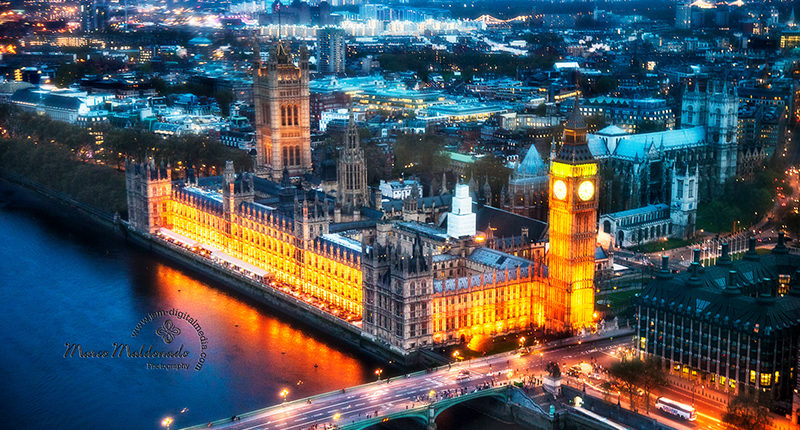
x=574, y=148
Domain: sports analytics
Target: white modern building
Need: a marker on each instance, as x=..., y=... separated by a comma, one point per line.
x=461, y=219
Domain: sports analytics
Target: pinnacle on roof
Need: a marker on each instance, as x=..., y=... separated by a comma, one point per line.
x=280, y=52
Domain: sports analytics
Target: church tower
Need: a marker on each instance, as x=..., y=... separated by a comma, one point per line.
x=573, y=230
x=716, y=109
x=723, y=120
x=282, y=114
x=352, y=171
x=683, y=202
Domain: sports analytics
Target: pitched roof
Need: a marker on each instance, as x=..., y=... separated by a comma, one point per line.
x=532, y=164
x=732, y=293
x=507, y=224
x=575, y=119
x=612, y=130
x=639, y=145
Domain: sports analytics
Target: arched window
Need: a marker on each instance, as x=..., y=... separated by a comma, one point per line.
x=283, y=115
x=296, y=121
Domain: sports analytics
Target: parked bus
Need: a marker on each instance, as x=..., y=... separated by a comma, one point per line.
x=678, y=409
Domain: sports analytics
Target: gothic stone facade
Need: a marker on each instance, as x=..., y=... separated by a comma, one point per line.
x=282, y=115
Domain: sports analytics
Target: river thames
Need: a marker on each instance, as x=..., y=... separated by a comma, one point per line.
x=64, y=284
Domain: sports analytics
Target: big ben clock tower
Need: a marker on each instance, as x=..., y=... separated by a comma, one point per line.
x=573, y=230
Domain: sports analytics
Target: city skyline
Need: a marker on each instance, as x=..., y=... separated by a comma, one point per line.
x=426, y=215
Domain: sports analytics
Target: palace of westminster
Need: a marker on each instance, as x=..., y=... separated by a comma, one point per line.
x=411, y=283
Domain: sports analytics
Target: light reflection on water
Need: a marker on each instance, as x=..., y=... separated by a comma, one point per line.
x=64, y=285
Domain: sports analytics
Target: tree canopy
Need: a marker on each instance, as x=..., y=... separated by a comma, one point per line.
x=745, y=202
x=744, y=413
x=420, y=155
x=69, y=159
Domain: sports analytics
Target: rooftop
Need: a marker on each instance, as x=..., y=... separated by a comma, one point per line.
x=738, y=294
x=639, y=211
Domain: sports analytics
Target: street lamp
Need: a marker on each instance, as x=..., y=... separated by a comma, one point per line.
x=457, y=355
x=284, y=393
x=166, y=422
x=378, y=372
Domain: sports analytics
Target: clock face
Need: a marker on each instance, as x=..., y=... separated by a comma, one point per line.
x=586, y=190
x=560, y=190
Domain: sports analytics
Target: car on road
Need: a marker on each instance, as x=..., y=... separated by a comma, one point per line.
x=462, y=375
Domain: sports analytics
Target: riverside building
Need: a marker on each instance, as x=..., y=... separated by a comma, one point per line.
x=406, y=284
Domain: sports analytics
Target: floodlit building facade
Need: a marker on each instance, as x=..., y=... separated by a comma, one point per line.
x=282, y=115
x=408, y=283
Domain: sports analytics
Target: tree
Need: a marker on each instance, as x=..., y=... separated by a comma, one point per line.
x=744, y=413
x=605, y=84
x=649, y=126
x=791, y=222
x=629, y=374
x=745, y=202
x=224, y=100
x=652, y=377
x=595, y=122
x=420, y=154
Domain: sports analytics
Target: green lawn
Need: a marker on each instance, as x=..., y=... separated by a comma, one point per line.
x=619, y=303
x=660, y=245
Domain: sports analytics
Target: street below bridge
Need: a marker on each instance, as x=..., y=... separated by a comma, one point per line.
x=397, y=394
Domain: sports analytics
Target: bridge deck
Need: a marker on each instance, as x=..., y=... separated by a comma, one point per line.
x=410, y=395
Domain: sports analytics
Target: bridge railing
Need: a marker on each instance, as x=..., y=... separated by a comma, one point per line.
x=544, y=347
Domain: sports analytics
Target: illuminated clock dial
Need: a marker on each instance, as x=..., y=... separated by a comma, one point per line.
x=586, y=190
x=560, y=190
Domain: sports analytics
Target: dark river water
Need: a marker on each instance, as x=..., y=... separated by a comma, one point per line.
x=62, y=284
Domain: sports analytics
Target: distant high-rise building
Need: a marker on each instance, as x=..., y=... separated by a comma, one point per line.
x=94, y=15
x=683, y=15
x=331, y=50
x=280, y=91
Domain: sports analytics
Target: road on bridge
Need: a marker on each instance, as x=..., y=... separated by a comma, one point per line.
x=384, y=398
